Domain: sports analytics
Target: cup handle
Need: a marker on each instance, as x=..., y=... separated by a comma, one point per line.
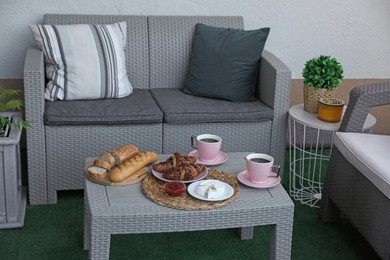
x=192, y=142
x=278, y=170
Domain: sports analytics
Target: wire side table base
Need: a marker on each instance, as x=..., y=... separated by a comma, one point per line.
x=310, y=151
x=310, y=148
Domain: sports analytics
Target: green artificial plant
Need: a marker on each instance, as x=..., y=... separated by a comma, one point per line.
x=7, y=103
x=323, y=72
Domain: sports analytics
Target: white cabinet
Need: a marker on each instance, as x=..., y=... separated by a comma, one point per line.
x=12, y=193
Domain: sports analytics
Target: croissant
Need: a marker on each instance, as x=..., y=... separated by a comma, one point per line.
x=179, y=167
x=199, y=167
x=185, y=172
x=173, y=162
x=164, y=167
x=180, y=159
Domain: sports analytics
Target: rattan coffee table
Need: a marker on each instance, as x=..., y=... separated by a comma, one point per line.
x=125, y=210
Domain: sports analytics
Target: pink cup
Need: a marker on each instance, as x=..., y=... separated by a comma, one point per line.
x=259, y=167
x=208, y=146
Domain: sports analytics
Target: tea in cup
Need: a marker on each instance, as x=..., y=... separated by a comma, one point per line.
x=208, y=146
x=259, y=167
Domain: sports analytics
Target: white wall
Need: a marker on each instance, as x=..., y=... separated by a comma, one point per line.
x=356, y=32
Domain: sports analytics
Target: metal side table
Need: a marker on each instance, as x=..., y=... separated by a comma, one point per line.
x=310, y=147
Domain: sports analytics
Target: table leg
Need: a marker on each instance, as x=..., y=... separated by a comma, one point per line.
x=281, y=237
x=87, y=224
x=100, y=244
x=246, y=233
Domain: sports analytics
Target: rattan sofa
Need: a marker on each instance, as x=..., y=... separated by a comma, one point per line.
x=157, y=59
x=357, y=183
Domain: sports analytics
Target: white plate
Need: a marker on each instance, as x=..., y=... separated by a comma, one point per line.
x=229, y=191
x=159, y=175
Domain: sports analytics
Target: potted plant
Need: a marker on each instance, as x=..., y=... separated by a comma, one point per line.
x=12, y=194
x=7, y=103
x=321, y=76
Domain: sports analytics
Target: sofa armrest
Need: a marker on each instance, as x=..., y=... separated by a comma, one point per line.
x=361, y=99
x=274, y=90
x=274, y=81
x=34, y=87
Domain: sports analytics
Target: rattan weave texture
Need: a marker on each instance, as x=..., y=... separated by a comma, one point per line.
x=34, y=98
x=125, y=210
x=348, y=191
x=361, y=99
x=274, y=91
x=55, y=155
x=236, y=137
x=75, y=143
x=171, y=37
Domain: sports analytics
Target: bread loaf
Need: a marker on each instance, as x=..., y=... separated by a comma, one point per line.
x=136, y=177
x=132, y=165
x=123, y=153
x=105, y=160
x=97, y=172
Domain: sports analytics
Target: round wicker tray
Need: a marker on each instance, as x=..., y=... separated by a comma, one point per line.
x=154, y=190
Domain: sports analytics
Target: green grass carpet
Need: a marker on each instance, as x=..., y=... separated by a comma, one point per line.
x=56, y=232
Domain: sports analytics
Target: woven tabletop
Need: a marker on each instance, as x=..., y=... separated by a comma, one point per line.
x=153, y=188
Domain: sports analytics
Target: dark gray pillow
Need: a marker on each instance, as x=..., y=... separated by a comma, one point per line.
x=224, y=62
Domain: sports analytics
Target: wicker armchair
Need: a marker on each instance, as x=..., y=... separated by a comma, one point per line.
x=358, y=178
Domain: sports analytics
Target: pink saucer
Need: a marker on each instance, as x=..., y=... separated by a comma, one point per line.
x=243, y=177
x=221, y=158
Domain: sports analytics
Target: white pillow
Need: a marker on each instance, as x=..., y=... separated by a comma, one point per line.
x=84, y=61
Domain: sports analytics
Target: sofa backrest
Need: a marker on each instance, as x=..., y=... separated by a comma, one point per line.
x=159, y=59
x=137, y=53
x=170, y=40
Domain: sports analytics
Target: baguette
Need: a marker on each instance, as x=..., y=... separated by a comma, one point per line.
x=132, y=165
x=135, y=178
x=105, y=160
x=123, y=153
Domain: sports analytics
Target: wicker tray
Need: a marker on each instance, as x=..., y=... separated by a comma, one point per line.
x=154, y=190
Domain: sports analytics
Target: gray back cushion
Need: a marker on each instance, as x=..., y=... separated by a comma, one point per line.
x=224, y=62
x=170, y=39
x=137, y=54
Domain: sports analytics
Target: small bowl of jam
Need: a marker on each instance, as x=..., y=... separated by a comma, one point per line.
x=174, y=189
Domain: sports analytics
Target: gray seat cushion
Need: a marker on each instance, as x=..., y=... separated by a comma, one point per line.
x=369, y=153
x=138, y=108
x=179, y=107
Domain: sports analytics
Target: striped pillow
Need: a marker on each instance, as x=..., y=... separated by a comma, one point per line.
x=84, y=61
